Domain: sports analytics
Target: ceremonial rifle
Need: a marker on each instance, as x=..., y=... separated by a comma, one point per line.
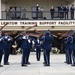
x=65, y=34
x=26, y=30
x=3, y=26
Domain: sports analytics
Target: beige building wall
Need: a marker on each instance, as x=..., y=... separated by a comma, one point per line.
x=46, y=4
x=3, y=7
x=0, y=9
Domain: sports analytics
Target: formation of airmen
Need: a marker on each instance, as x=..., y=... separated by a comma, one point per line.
x=69, y=46
x=43, y=43
x=26, y=45
x=5, y=45
x=40, y=41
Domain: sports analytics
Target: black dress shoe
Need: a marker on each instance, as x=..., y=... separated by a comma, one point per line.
x=1, y=65
x=46, y=65
x=24, y=65
x=69, y=63
x=28, y=63
x=65, y=62
x=73, y=65
x=38, y=60
x=7, y=63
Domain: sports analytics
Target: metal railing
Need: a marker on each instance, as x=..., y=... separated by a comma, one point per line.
x=37, y=15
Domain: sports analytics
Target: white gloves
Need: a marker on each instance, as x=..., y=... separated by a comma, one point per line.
x=0, y=39
x=29, y=41
x=35, y=49
x=33, y=42
x=9, y=39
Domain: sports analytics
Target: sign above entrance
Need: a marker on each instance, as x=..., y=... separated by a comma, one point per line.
x=38, y=22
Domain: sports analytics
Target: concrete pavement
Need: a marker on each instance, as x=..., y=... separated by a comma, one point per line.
x=57, y=66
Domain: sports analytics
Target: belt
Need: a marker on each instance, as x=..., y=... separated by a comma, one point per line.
x=37, y=45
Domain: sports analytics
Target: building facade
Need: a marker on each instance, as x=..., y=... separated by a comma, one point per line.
x=43, y=24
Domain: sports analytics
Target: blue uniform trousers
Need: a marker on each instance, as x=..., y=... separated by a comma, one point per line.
x=24, y=56
x=69, y=56
x=47, y=57
x=44, y=56
x=6, y=55
x=28, y=54
x=73, y=56
x=66, y=54
x=1, y=53
x=38, y=53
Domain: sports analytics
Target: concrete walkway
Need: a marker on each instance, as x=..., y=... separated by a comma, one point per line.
x=57, y=67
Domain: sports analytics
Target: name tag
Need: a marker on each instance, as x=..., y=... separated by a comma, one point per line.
x=24, y=37
x=6, y=37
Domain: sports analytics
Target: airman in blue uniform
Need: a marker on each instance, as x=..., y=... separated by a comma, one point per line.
x=68, y=48
x=24, y=47
x=64, y=40
x=38, y=48
x=29, y=47
x=1, y=48
x=73, y=50
x=7, y=47
x=47, y=43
